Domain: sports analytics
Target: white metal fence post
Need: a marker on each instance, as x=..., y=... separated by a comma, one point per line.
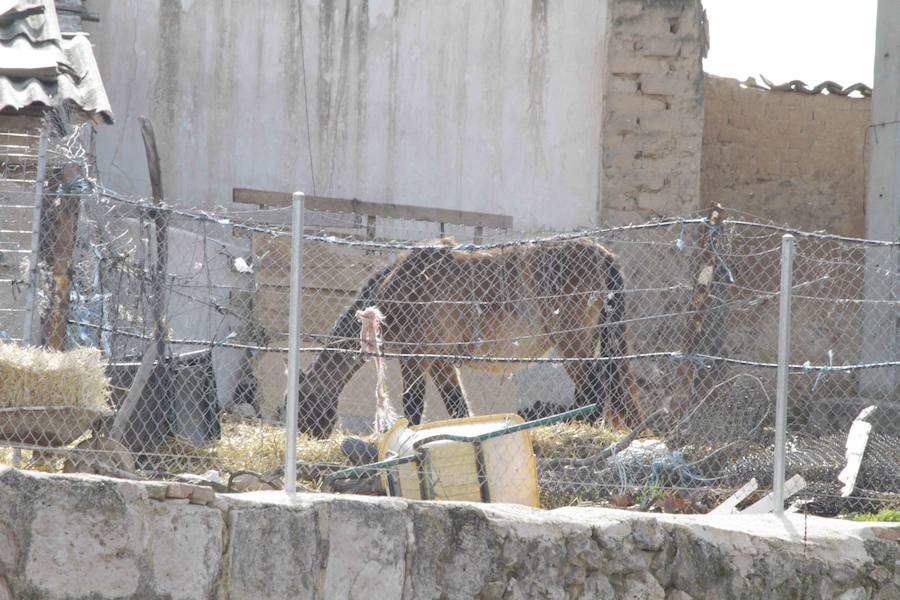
x=784, y=350
x=30, y=332
x=290, y=454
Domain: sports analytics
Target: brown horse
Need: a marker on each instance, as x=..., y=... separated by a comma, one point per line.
x=514, y=301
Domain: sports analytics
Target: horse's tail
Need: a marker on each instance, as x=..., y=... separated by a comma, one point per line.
x=622, y=394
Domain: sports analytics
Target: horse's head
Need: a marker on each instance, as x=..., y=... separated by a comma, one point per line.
x=316, y=407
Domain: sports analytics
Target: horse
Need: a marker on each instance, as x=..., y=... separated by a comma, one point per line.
x=445, y=306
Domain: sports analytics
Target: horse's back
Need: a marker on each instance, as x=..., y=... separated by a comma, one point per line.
x=508, y=301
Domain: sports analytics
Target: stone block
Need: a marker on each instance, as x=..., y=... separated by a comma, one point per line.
x=366, y=549
x=633, y=104
x=625, y=9
x=619, y=158
x=465, y=573
x=645, y=22
x=179, y=491
x=81, y=537
x=101, y=539
x=156, y=490
x=640, y=64
x=619, y=125
x=201, y=494
x=180, y=536
x=670, y=121
x=653, y=83
x=669, y=45
x=620, y=84
x=648, y=178
x=276, y=552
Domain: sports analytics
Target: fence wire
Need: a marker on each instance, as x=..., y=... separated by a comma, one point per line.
x=679, y=314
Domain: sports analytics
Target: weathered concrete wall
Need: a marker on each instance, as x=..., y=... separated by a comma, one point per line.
x=653, y=109
x=881, y=329
x=786, y=157
x=470, y=105
x=88, y=537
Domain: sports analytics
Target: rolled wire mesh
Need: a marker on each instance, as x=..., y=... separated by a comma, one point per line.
x=678, y=314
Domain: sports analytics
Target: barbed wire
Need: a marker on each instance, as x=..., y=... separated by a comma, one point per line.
x=455, y=357
x=688, y=303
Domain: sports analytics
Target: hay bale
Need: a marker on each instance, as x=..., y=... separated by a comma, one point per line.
x=36, y=377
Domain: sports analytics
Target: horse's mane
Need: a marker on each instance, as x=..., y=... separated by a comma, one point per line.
x=345, y=332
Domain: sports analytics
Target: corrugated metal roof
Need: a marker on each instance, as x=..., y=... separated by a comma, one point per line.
x=87, y=94
x=39, y=67
x=34, y=19
x=20, y=57
x=795, y=85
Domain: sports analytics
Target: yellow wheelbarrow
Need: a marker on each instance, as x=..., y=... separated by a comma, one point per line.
x=486, y=459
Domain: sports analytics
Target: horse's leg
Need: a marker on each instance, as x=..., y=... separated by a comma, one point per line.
x=413, y=372
x=446, y=378
x=587, y=375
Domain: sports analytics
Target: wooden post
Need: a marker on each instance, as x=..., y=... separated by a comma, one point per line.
x=370, y=231
x=64, y=228
x=704, y=278
x=141, y=413
x=30, y=333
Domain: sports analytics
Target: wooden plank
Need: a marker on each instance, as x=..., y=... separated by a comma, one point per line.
x=376, y=209
x=729, y=506
x=325, y=265
x=313, y=223
x=857, y=440
x=767, y=503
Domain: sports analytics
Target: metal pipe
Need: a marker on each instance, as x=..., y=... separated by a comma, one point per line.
x=28, y=335
x=290, y=454
x=784, y=350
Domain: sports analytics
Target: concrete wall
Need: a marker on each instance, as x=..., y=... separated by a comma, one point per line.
x=558, y=113
x=787, y=157
x=87, y=537
x=487, y=106
x=881, y=330
x=471, y=105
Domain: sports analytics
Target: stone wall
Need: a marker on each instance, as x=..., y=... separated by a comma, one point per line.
x=785, y=156
x=87, y=537
x=653, y=109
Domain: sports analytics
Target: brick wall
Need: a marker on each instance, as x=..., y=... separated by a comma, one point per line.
x=653, y=109
x=785, y=156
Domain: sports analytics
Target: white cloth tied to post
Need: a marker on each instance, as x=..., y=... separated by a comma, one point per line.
x=370, y=345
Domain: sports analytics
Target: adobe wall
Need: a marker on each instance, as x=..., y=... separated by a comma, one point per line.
x=653, y=110
x=786, y=156
x=88, y=537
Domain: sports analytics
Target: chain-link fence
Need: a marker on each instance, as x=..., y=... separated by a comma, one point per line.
x=561, y=344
